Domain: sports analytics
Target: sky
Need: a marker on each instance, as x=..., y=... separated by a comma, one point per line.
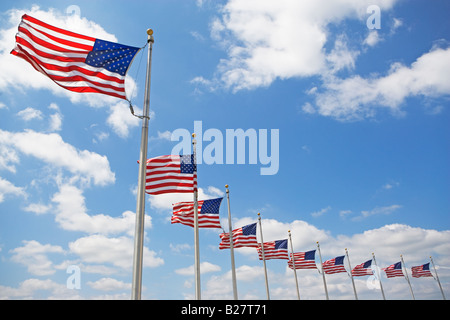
x=347, y=106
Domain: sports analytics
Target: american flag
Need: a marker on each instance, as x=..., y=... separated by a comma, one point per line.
x=208, y=213
x=421, y=271
x=274, y=250
x=394, y=270
x=304, y=260
x=242, y=237
x=171, y=174
x=73, y=61
x=363, y=269
x=335, y=265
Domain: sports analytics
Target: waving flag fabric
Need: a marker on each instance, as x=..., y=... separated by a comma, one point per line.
x=274, y=250
x=421, y=271
x=304, y=260
x=73, y=61
x=242, y=237
x=363, y=269
x=335, y=265
x=171, y=174
x=208, y=213
x=394, y=270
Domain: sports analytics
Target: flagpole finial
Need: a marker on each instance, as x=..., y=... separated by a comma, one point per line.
x=260, y=214
x=226, y=186
x=150, y=32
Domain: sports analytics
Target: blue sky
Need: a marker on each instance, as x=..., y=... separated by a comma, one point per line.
x=362, y=116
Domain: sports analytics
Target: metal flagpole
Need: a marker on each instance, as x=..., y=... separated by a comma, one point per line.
x=196, y=241
x=437, y=278
x=293, y=265
x=140, y=202
x=351, y=276
x=379, y=275
x=407, y=278
x=264, y=258
x=233, y=267
x=323, y=272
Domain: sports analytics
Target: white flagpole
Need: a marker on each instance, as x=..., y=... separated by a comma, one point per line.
x=351, y=276
x=198, y=295
x=264, y=258
x=437, y=278
x=233, y=267
x=293, y=265
x=323, y=272
x=379, y=275
x=140, y=202
x=407, y=278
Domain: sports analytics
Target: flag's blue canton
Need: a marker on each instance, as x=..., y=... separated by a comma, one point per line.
x=339, y=260
x=211, y=206
x=249, y=229
x=281, y=244
x=426, y=266
x=310, y=255
x=187, y=164
x=398, y=266
x=114, y=57
x=367, y=264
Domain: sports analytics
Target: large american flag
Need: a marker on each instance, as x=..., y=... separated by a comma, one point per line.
x=421, y=271
x=394, y=270
x=73, y=61
x=274, y=250
x=242, y=237
x=335, y=265
x=171, y=174
x=208, y=213
x=303, y=260
x=363, y=269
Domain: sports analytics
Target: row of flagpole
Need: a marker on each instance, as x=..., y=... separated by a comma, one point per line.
x=140, y=213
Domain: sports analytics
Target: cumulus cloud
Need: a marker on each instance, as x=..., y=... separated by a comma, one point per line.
x=52, y=149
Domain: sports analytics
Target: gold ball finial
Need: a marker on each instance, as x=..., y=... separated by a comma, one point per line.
x=193, y=135
x=150, y=32
x=289, y=230
x=226, y=186
x=259, y=214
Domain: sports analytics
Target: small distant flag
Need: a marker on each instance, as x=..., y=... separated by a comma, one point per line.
x=274, y=250
x=304, y=260
x=335, y=265
x=171, y=174
x=208, y=213
x=242, y=237
x=73, y=61
x=394, y=270
x=363, y=269
x=421, y=271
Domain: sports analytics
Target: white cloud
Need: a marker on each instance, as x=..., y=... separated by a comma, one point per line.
x=320, y=212
x=30, y=287
x=269, y=40
x=116, y=251
x=372, y=38
x=34, y=256
x=109, y=284
x=51, y=149
x=205, y=267
x=30, y=114
x=7, y=188
x=121, y=120
x=356, y=97
x=71, y=214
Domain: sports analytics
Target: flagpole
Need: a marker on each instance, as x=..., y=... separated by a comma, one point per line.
x=293, y=265
x=264, y=258
x=233, y=267
x=323, y=272
x=196, y=240
x=351, y=275
x=407, y=278
x=140, y=202
x=437, y=278
x=379, y=275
